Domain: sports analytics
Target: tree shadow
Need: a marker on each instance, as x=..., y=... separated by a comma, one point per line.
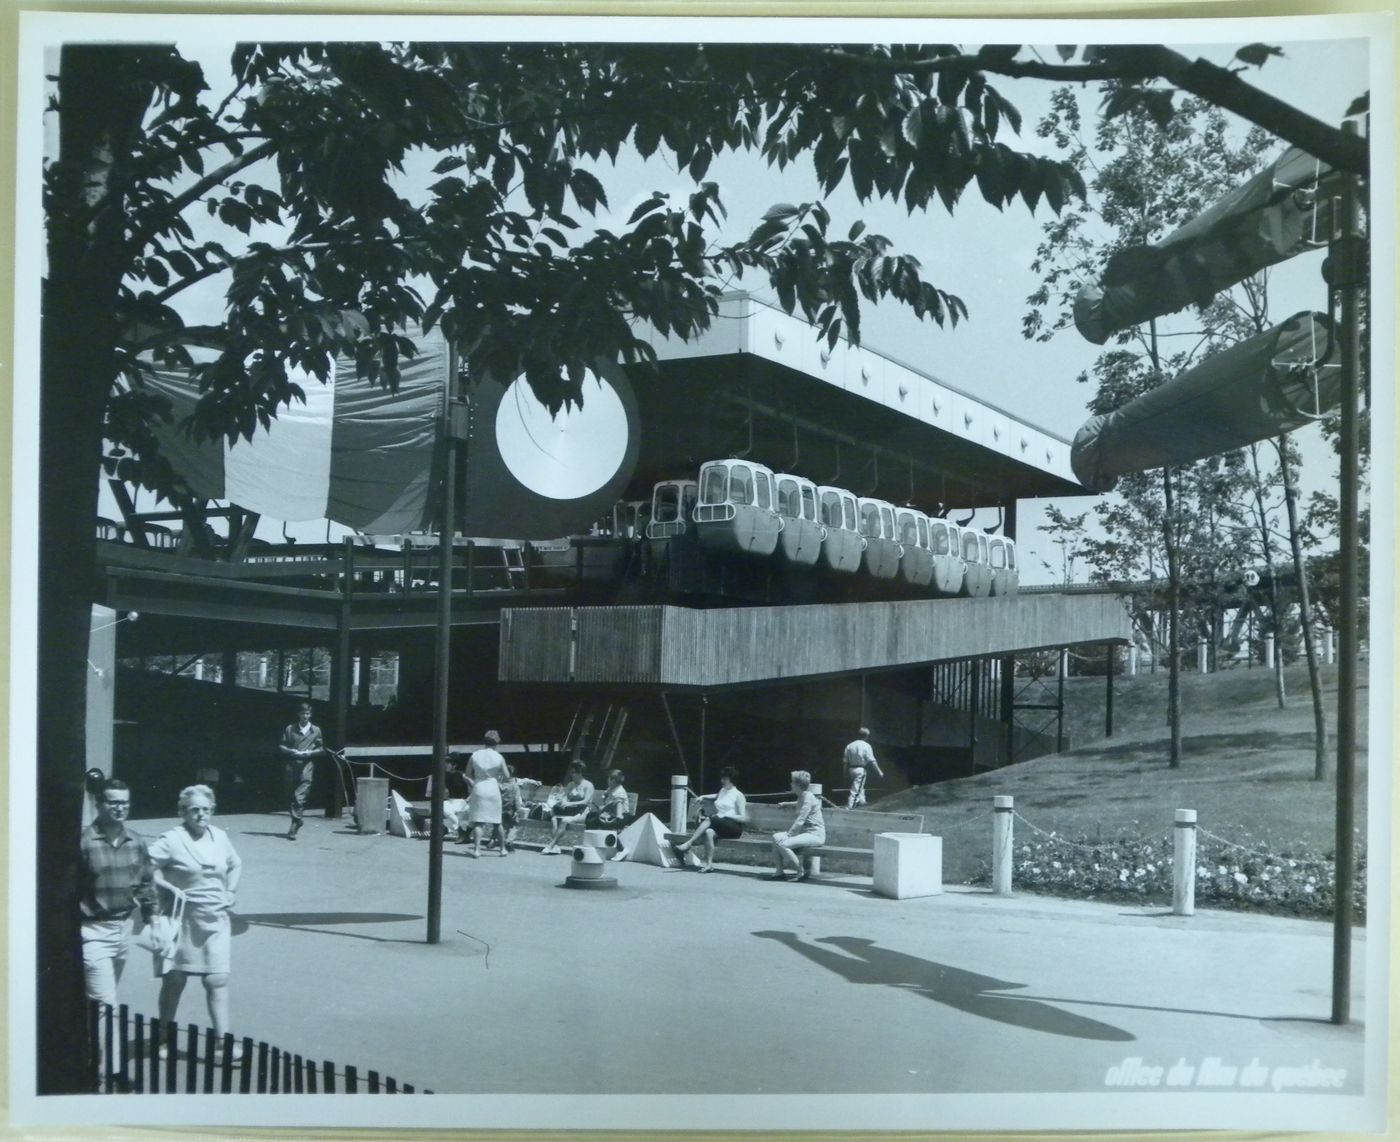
x=865, y=962
x=314, y=921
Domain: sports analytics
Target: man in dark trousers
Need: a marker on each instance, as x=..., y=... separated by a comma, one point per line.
x=300, y=746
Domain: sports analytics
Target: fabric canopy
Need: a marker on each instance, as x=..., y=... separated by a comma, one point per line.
x=1282, y=211
x=371, y=459
x=1271, y=383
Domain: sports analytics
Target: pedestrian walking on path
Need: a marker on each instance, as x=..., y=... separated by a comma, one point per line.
x=485, y=770
x=301, y=745
x=198, y=858
x=115, y=880
x=858, y=757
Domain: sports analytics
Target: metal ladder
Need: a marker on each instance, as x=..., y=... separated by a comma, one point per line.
x=595, y=734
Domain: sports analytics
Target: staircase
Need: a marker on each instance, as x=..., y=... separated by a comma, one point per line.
x=595, y=733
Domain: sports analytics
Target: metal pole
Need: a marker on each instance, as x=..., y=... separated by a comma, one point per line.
x=1108, y=698
x=1346, y=265
x=1060, y=700
x=342, y=664
x=704, y=711
x=442, y=649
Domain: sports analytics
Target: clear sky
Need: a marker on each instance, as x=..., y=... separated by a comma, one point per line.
x=978, y=253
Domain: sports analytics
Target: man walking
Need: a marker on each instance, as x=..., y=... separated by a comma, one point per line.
x=857, y=758
x=300, y=746
x=116, y=879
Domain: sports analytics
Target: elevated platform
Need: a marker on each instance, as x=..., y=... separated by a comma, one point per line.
x=679, y=648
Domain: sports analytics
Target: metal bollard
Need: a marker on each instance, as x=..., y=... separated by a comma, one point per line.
x=814, y=863
x=1184, y=864
x=1269, y=651
x=679, y=801
x=1202, y=660
x=1002, y=844
x=1330, y=638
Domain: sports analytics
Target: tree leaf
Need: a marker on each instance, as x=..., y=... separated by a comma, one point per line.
x=449, y=163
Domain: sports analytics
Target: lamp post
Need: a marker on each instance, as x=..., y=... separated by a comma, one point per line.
x=456, y=426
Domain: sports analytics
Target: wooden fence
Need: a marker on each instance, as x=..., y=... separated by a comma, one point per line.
x=126, y=1057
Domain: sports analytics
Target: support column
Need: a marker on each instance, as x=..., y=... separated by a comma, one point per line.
x=1008, y=705
x=340, y=678
x=1060, y=701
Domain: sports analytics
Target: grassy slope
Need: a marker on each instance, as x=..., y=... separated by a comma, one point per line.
x=1246, y=768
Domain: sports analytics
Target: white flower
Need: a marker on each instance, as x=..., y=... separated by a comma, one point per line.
x=1240, y=878
x=1122, y=874
x=1307, y=888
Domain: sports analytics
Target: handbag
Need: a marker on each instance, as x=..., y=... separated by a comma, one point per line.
x=161, y=935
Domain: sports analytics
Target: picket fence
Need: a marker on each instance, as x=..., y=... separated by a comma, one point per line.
x=126, y=1058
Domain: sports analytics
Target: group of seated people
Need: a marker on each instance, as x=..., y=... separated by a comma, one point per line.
x=724, y=814
x=571, y=802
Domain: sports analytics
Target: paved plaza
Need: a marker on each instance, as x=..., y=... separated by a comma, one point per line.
x=680, y=983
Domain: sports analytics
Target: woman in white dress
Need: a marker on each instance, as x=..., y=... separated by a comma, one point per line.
x=485, y=769
x=199, y=860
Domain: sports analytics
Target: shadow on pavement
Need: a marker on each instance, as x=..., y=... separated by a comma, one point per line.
x=863, y=961
x=316, y=922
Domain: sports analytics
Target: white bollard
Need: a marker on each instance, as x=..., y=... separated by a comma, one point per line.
x=814, y=863
x=679, y=801
x=1268, y=652
x=1331, y=643
x=1184, y=864
x=1003, y=843
x=1064, y=663
x=1132, y=659
x=1202, y=659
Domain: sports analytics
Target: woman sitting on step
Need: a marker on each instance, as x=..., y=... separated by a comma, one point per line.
x=726, y=819
x=808, y=830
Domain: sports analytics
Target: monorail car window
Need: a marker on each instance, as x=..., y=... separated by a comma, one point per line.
x=1011, y=554
x=789, y=499
x=870, y=521
x=809, y=502
x=939, y=540
x=740, y=485
x=998, y=549
x=969, y=547
x=982, y=546
x=908, y=529
x=831, y=509
x=922, y=521
x=713, y=482
x=887, y=520
x=849, y=504
x=668, y=503
x=763, y=485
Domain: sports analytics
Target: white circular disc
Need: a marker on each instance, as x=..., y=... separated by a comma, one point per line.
x=570, y=454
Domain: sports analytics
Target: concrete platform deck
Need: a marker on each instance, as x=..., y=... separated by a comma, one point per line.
x=682, y=984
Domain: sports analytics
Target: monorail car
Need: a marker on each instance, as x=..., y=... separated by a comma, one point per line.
x=882, y=551
x=947, y=563
x=736, y=512
x=1006, y=579
x=800, y=541
x=916, y=558
x=977, y=573
x=842, y=544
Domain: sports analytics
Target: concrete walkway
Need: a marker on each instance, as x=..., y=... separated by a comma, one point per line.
x=794, y=987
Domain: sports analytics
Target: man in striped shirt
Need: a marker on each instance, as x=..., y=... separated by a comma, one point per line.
x=116, y=879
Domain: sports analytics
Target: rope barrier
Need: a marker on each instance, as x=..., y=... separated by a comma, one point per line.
x=1243, y=848
x=965, y=824
x=1087, y=848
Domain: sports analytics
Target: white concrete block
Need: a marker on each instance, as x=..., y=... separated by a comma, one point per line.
x=908, y=864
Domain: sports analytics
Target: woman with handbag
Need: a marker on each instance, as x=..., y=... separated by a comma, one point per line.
x=198, y=859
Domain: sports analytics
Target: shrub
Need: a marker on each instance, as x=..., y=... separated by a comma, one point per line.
x=1296, y=883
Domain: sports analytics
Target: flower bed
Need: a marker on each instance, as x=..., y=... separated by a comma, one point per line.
x=1295, y=883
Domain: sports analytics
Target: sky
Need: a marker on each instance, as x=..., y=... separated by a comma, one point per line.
x=978, y=253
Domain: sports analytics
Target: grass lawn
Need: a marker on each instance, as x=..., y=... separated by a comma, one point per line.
x=1246, y=769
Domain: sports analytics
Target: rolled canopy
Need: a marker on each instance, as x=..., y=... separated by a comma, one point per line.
x=1274, y=382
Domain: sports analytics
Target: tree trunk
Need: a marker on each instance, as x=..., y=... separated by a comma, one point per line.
x=101, y=103
x=1321, y=758
x=1266, y=546
x=1173, y=619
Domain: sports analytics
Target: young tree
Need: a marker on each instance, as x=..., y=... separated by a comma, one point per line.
x=1151, y=172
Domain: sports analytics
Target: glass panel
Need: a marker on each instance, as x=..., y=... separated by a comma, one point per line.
x=1011, y=554
x=938, y=537
x=740, y=485
x=982, y=546
x=887, y=522
x=969, y=546
x=998, y=554
x=668, y=505
x=849, y=504
x=809, y=502
x=923, y=532
x=908, y=530
x=712, y=484
x=831, y=509
x=789, y=502
x=765, y=489
x=870, y=521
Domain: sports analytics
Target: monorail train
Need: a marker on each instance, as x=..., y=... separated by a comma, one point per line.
x=740, y=508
